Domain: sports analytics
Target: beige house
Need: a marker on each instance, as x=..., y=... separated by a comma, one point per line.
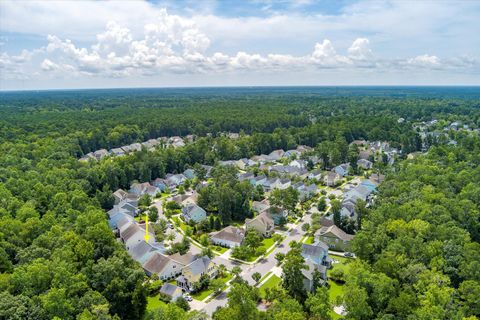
x=263, y=224
x=166, y=267
x=335, y=238
x=193, y=272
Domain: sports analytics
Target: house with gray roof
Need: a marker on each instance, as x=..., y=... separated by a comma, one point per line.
x=192, y=273
x=100, y=154
x=175, y=180
x=228, y=237
x=171, y=291
x=331, y=178
x=364, y=164
x=119, y=195
x=276, y=155
x=335, y=238
x=118, y=152
x=315, y=175
x=192, y=212
x=342, y=169
x=263, y=223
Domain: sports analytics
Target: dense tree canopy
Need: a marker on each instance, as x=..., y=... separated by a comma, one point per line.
x=58, y=258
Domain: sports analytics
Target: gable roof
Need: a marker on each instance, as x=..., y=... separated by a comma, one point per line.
x=199, y=266
x=170, y=289
x=156, y=263
x=230, y=233
x=264, y=218
x=337, y=232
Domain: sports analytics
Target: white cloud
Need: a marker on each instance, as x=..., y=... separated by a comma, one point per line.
x=48, y=65
x=425, y=61
x=135, y=39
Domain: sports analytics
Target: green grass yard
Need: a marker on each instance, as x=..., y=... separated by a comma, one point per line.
x=206, y=292
x=219, y=249
x=154, y=302
x=336, y=289
x=271, y=283
x=179, y=223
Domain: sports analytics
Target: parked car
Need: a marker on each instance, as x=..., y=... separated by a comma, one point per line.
x=348, y=254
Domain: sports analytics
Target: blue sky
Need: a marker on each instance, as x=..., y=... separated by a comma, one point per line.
x=88, y=44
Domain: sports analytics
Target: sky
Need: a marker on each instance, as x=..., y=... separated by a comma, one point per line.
x=110, y=44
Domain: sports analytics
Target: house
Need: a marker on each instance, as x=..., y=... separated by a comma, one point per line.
x=359, y=143
x=119, y=196
x=259, y=206
x=284, y=184
x=128, y=208
x=365, y=154
x=315, y=175
x=262, y=223
x=292, y=154
x=301, y=164
x=309, y=275
x=171, y=291
x=365, y=164
x=117, y=216
x=277, y=214
x=160, y=184
x=228, y=237
x=166, y=267
x=335, y=238
x=117, y=152
x=303, y=148
x=150, y=144
x=227, y=163
x=246, y=176
x=331, y=179
x=342, y=169
x=192, y=273
x=139, y=189
x=135, y=147
x=89, y=156
x=305, y=192
x=189, y=174
x=244, y=163
x=270, y=184
x=317, y=253
x=175, y=180
x=192, y=212
x=100, y=154
x=258, y=181
x=176, y=142
x=378, y=178
x=276, y=155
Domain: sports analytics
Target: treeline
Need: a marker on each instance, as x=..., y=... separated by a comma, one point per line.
x=419, y=248
x=58, y=257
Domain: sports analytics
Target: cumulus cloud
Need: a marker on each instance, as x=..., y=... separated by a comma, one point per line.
x=174, y=44
x=425, y=61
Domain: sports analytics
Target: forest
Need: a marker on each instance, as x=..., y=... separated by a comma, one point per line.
x=419, y=251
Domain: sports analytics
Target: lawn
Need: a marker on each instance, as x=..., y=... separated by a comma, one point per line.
x=310, y=240
x=272, y=282
x=206, y=292
x=179, y=223
x=267, y=243
x=154, y=302
x=336, y=289
x=219, y=249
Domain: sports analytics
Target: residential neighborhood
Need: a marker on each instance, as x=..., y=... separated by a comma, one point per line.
x=297, y=170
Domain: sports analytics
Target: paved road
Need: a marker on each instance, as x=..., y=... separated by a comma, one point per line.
x=263, y=266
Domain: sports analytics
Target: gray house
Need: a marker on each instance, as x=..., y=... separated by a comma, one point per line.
x=192, y=212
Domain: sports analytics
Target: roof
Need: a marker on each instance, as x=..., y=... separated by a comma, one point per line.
x=199, y=266
x=141, y=249
x=337, y=232
x=230, y=233
x=314, y=250
x=169, y=289
x=156, y=263
x=308, y=273
x=183, y=259
x=120, y=193
x=264, y=218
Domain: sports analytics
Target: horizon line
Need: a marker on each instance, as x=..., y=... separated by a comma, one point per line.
x=247, y=87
